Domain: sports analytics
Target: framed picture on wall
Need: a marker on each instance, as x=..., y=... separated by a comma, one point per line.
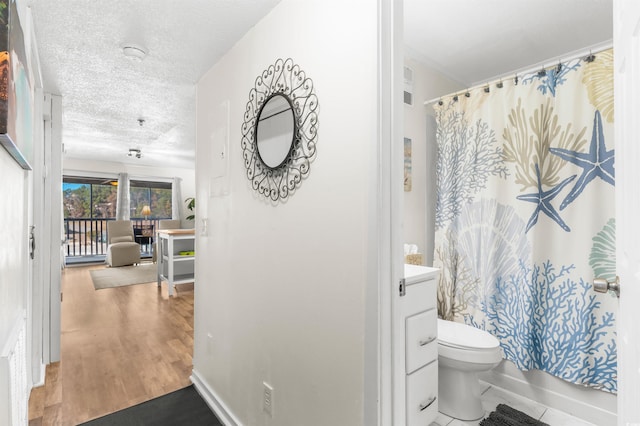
x=16, y=102
x=407, y=164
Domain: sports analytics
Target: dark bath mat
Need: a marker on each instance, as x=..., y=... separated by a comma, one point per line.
x=182, y=407
x=509, y=416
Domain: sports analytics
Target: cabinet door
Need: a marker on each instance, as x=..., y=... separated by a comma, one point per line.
x=419, y=297
x=422, y=394
x=421, y=342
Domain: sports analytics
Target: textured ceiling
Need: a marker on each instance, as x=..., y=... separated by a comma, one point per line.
x=475, y=40
x=104, y=93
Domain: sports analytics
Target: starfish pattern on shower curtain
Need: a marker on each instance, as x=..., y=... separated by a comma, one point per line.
x=543, y=199
x=504, y=269
x=597, y=162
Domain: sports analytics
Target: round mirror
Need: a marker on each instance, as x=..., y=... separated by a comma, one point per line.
x=275, y=131
x=280, y=130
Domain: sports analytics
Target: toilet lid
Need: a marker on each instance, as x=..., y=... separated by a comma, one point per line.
x=464, y=336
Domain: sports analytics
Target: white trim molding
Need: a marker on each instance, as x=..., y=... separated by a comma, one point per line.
x=213, y=400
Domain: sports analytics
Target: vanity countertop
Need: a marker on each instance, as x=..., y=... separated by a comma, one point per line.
x=189, y=231
x=416, y=273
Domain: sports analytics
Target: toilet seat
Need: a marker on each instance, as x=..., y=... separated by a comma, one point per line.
x=470, y=356
x=461, y=342
x=462, y=336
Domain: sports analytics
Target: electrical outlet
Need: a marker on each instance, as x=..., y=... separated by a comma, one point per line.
x=267, y=398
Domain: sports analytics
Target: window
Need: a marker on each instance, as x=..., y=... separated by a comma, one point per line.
x=85, y=198
x=89, y=203
x=95, y=198
x=156, y=195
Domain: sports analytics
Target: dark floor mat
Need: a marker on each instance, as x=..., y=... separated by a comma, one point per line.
x=509, y=416
x=182, y=407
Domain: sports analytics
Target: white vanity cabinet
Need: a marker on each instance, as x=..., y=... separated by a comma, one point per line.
x=418, y=346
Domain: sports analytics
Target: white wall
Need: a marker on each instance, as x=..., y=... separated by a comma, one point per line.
x=280, y=289
x=13, y=250
x=419, y=203
x=74, y=167
x=15, y=218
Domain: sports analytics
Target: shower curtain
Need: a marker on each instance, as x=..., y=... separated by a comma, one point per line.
x=525, y=217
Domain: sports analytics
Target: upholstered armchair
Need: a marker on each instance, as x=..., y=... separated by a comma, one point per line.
x=165, y=224
x=122, y=249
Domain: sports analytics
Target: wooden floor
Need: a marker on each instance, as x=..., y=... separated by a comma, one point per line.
x=119, y=347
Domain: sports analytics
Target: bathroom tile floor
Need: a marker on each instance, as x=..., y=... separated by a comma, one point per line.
x=492, y=396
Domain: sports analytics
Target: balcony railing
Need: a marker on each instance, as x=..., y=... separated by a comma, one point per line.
x=88, y=237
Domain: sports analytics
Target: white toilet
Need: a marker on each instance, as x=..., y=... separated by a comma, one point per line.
x=463, y=351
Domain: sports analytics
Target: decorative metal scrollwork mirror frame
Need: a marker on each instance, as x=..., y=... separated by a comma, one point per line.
x=286, y=79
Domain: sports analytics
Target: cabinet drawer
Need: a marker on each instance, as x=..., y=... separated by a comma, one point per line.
x=421, y=340
x=422, y=393
x=419, y=297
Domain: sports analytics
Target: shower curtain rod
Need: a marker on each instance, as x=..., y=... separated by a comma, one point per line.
x=581, y=54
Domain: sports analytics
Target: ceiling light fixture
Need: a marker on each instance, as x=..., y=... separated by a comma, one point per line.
x=134, y=51
x=135, y=152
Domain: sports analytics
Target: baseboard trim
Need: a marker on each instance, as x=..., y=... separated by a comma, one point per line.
x=213, y=400
x=40, y=380
x=574, y=406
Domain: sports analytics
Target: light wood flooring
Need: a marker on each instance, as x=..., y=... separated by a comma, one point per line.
x=119, y=347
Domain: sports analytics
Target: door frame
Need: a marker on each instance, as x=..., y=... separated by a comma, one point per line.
x=626, y=45
x=51, y=233
x=387, y=229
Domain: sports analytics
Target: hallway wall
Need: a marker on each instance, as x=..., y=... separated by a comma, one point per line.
x=13, y=250
x=15, y=217
x=280, y=289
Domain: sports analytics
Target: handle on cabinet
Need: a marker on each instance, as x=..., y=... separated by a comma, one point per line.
x=427, y=404
x=427, y=341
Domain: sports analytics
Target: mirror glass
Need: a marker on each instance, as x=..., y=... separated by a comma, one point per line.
x=275, y=131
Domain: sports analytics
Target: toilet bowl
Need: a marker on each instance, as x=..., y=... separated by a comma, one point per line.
x=463, y=352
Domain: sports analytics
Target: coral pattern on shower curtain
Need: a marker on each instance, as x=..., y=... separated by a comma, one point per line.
x=525, y=217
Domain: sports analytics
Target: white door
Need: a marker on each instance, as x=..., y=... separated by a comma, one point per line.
x=626, y=45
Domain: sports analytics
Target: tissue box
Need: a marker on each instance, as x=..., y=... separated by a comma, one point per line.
x=413, y=259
